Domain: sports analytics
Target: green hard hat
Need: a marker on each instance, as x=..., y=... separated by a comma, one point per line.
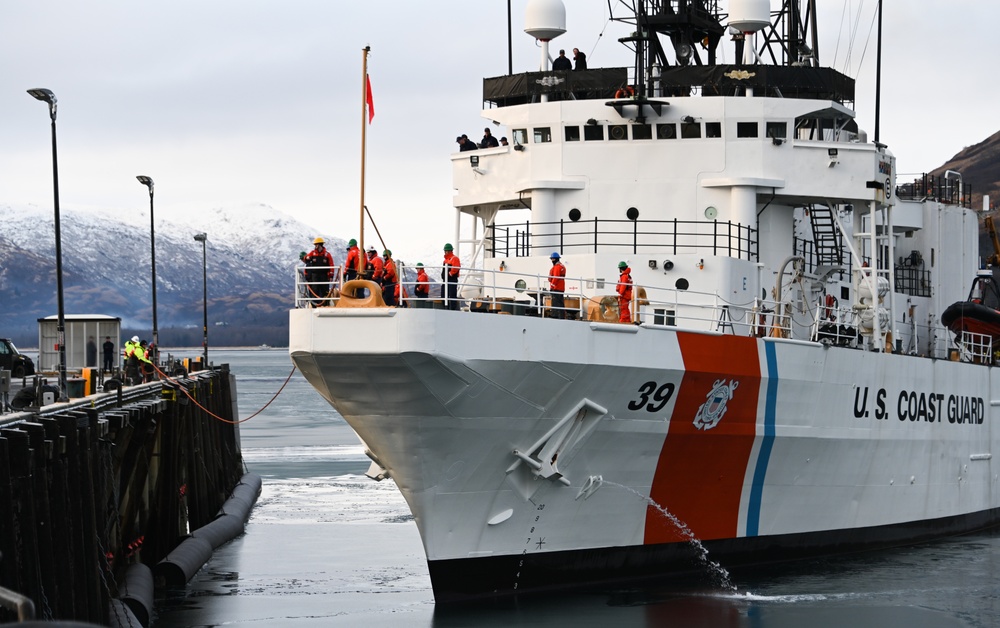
x=449, y=247
x=622, y=265
x=353, y=242
x=387, y=252
x=420, y=265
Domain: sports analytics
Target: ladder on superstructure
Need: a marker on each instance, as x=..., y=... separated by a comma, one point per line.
x=826, y=236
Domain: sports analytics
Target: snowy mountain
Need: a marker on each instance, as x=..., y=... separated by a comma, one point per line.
x=251, y=256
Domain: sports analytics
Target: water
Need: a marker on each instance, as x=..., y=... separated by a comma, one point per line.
x=326, y=546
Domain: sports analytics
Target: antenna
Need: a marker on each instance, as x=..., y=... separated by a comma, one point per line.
x=545, y=20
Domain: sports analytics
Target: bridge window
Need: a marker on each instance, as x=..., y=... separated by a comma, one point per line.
x=713, y=129
x=543, y=135
x=746, y=129
x=642, y=132
x=690, y=130
x=617, y=132
x=593, y=132
x=572, y=133
x=776, y=129
x=520, y=136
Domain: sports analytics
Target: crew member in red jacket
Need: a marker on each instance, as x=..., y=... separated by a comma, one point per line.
x=423, y=286
x=624, y=293
x=389, y=278
x=374, y=268
x=319, y=271
x=557, y=287
x=401, y=295
x=353, y=262
x=450, y=276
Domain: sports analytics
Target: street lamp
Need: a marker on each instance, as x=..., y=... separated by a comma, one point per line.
x=143, y=179
x=46, y=95
x=203, y=238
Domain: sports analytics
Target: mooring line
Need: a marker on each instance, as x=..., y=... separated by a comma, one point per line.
x=212, y=414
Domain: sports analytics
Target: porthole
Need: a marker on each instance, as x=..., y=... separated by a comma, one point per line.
x=682, y=284
x=632, y=213
x=574, y=214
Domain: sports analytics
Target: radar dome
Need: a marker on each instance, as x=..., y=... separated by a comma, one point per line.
x=749, y=15
x=545, y=19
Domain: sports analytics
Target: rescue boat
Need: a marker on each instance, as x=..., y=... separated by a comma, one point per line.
x=979, y=312
x=741, y=410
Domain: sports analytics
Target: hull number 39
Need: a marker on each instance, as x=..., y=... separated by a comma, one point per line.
x=652, y=396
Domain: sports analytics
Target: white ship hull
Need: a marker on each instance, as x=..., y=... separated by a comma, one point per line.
x=800, y=449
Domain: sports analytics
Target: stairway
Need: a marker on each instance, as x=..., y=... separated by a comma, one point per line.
x=826, y=236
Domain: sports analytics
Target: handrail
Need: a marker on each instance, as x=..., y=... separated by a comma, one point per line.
x=728, y=238
x=493, y=291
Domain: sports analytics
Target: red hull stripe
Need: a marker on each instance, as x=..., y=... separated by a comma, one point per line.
x=701, y=472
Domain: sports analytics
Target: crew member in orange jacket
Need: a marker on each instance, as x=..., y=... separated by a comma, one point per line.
x=449, y=273
x=353, y=262
x=374, y=268
x=624, y=293
x=401, y=295
x=423, y=286
x=557, y=287
x=389, y=278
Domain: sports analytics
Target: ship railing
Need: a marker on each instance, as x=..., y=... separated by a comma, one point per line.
x=317, y=286
x=975, y=348
x=596, y=299
x=586, y=298
x=672, y=237
x=951, y=190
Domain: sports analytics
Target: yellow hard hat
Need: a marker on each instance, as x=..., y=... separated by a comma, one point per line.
x=319, y=241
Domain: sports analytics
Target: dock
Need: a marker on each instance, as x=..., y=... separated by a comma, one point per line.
x=99, y=496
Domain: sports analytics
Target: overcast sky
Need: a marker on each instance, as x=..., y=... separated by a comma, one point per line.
x=224, y=102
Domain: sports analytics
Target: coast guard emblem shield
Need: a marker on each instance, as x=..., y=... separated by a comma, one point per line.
x=714, y=408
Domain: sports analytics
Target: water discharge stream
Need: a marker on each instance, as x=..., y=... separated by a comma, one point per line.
x=717, y=572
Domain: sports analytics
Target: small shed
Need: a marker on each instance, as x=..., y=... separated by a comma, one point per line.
x=81, y=331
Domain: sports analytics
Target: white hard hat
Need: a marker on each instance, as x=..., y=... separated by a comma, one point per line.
x=135, y=338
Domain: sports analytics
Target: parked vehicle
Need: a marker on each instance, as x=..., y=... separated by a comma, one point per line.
x=14, y=361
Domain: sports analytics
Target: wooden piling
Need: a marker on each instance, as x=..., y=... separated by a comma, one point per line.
x=89, y=488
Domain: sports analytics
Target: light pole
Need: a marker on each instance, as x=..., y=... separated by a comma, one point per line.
x=143, y=179
x=46, y=95
x=203, y=238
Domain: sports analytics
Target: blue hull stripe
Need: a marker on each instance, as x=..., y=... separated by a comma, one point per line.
x=753, y=512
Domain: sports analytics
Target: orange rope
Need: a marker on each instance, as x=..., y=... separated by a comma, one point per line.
x=212, y=414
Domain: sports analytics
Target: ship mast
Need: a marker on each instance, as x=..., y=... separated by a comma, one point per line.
x=682, y=36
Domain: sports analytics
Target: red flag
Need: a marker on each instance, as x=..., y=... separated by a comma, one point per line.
x=368, y=98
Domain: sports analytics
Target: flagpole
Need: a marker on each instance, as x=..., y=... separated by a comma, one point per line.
x=364, y=131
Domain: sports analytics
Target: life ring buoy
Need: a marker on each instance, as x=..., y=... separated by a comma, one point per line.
x=625, y=92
